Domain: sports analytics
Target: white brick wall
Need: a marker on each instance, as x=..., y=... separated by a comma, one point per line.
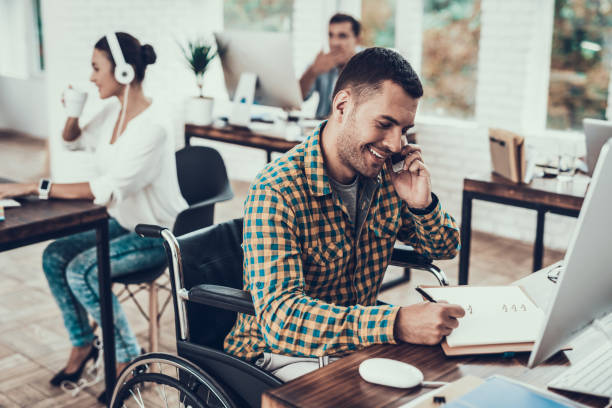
x=409, y=31
x=309, y=31
x=513, y=63
x=19, y=107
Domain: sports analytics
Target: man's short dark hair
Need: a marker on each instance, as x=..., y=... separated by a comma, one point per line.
x=368, y=69
x=345, y=18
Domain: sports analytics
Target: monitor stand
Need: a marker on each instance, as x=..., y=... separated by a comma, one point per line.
x=243, y=100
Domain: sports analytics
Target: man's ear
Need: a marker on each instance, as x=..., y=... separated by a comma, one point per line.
x=340, y=104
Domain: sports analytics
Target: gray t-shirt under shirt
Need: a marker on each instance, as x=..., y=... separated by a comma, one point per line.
x=357, y=197
x=348, y=196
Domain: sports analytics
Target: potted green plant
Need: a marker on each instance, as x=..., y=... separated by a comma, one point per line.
x=199, y=54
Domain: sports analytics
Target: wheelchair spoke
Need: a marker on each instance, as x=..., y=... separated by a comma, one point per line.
x=140, y=396
x=162, y=394
x=140, y=403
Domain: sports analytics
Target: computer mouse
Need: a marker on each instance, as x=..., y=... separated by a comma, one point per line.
x=391, y=373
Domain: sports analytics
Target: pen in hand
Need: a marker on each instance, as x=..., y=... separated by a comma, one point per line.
x=425, y=295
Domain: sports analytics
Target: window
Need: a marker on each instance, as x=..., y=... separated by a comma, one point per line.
x=580, y=62
x=378, y=23
x=258, y=15
x=21, y=52
x=450, y=57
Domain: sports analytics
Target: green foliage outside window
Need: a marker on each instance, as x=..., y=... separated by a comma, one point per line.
x=378, y=23
x=258, y=15
x=450, y=57
x=581, y=58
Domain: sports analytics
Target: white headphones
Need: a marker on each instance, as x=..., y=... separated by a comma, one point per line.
x=124, y=72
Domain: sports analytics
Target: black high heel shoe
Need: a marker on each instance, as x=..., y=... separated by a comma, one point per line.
x=74, y=377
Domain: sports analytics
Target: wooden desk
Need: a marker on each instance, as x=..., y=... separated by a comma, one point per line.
x=37, y=221
x=541, y=195
x=339, y=383
x=240, y=136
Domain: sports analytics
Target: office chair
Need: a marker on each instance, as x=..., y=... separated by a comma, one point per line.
x=203, y=182
x=206, y=275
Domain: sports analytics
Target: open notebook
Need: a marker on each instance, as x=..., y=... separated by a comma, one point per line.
x=497, y=319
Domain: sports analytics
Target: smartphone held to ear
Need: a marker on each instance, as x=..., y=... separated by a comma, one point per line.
x=397, y=162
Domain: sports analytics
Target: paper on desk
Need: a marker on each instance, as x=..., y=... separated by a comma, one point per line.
x=7, y=202
x=494, y=315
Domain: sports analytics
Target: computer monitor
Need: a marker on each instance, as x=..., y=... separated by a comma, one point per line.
x=584, y=288
x=267, y=55
x=596, y=133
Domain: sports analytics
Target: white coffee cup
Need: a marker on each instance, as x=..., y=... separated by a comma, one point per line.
x=74, y=101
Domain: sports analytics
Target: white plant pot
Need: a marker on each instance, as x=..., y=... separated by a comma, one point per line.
x=199, y=111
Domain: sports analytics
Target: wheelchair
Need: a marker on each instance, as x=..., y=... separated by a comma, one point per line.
x=206, y=275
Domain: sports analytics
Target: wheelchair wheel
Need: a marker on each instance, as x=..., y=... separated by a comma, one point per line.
x=164, y=380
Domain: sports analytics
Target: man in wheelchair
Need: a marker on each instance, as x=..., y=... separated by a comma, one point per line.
x=320, y=224
x=266, y=299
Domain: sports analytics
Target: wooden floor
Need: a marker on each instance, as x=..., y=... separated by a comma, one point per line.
x=34, y=344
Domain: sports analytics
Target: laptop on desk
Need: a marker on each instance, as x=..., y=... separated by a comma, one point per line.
x=583, y=296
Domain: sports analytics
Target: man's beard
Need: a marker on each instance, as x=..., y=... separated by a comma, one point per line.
x=350, y=154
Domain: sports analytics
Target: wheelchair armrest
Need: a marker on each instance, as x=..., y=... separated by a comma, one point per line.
x=223, y=297
x=225, y=195
x=406, y=256
x=150, y=231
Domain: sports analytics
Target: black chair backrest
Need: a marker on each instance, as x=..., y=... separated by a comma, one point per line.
x=201, y=173
x=201, y=176
x=212, y=256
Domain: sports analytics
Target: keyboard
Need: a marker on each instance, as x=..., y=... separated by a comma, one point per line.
x=592, y=375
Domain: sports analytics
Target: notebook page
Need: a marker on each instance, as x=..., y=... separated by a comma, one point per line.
x=493, y=315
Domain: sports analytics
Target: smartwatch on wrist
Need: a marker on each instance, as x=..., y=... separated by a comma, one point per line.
x=43, y=189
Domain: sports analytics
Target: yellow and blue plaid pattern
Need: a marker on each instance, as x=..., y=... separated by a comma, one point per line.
x=314, y=285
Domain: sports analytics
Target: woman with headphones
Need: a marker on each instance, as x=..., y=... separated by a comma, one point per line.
x=136, y=181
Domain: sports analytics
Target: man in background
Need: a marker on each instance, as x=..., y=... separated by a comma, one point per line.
x=321, y=76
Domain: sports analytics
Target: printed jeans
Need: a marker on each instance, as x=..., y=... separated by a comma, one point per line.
x=71, y=268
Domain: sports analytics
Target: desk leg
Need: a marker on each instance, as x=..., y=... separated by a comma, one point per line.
x=538, y=247
x=466, y=232
x=269, y=155
x=187, y=138
x=106, y=306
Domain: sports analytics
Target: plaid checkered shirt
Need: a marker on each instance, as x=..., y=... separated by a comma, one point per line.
x=313, y=284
